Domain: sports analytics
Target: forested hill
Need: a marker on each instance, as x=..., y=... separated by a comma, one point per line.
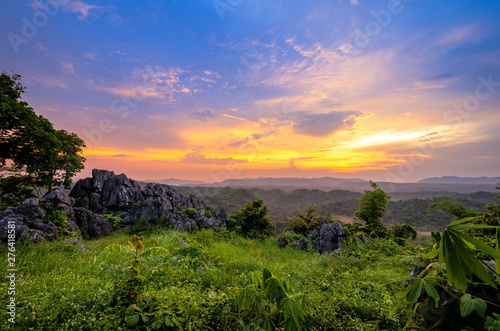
x=404, y=207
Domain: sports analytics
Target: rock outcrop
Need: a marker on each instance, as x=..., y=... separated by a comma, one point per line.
x=326, y=240
x=107, y=193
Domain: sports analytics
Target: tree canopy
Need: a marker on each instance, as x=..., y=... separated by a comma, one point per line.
x=372, y=207
x=251, y=221
x=29, y=143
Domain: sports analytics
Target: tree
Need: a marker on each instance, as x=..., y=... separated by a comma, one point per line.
x=251, y=221
x=30, y=144
x=372, y=206
x=453, y=208
x=306, y=221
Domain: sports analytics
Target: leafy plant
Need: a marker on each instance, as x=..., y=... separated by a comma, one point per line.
x=251, y=221
x=141, y=226
x=269, y=299
x=372, y=206
x=403, y=232
x=59, y=218
x=306, y=221
x=115, y=219
x=456, y=290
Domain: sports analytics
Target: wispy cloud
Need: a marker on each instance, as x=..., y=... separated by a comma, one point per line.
x=50, y=82
x=200, y=158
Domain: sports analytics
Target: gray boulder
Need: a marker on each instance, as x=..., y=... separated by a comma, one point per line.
x=331, y=236
x=20, y=226
x=36, y=236
x=99, y=177
x=48, y=229
x=92, y=225
x=31, y=209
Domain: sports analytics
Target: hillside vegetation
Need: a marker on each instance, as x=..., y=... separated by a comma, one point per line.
x=410, y=208
x=191, y=281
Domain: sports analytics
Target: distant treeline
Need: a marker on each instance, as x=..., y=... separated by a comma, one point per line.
x=410, y=208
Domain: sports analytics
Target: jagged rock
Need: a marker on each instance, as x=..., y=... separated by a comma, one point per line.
x=57, y=200
x=48, y=229
x=92, y=225
x=31, y=209
x=302, y=243
x=99, y=177
x=36, y=236
x=331, y=236
x=20, y=226
x=120, y=192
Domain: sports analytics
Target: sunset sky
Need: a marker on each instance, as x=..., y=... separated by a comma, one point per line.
x=209, y=90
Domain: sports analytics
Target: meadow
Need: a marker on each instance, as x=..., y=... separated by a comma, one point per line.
x=193, y=280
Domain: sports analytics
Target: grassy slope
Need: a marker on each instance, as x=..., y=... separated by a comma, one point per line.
x=62, y=288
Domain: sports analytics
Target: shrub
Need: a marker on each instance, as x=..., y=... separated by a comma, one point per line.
x=269, y=299
x=286, y=238
x=403, y=232
x=115, y=219
x=59, y=218
x=306, y=221
x=251, y=221
x=141, y=226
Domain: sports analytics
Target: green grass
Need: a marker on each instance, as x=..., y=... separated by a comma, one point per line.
x=60, y=287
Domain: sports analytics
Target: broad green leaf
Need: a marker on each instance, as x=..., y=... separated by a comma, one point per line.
x=497, y=250
x=475, y=226
x=266, y=274
x=460, y=221
x=432, y=254
x=470, y=261
x=132, y=320
x=455, y=270
x=431, y=291
x=413, y=295
x=478, y=244
x=468, y=305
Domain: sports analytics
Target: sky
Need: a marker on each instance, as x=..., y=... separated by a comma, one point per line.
x=392, y=90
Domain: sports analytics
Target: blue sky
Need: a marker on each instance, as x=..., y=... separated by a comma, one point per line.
x=209, y=90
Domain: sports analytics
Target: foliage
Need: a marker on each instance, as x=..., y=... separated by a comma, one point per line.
x=59, y=218
x=372, y=206
x=30, y=143
x=403, y=232
x=286, y=238
x=269, y=298
x=15, y=188
x=459, y=289
x=208, y=213
x=251, y=221
x=59, y=287
x=141, y=226
x=453, y=208
x=306, y=221
x=115, y=219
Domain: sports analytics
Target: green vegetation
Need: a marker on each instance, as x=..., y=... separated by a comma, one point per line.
x=115, y=219
x=251, y=221
x=156, y=283
x=306, y=222
x=30, y=145
x=371, y=209
x=59, y=219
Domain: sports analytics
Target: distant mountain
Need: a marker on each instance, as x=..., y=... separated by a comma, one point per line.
x=287, y=183
x=176, y=182
x=461, y=180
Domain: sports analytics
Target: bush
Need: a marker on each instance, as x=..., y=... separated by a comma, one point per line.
x=141, y=226
x=251, y=221
x=306, y=222
x=59, y=218
x=403, y=232
x=115, y=219
x=286, y=238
